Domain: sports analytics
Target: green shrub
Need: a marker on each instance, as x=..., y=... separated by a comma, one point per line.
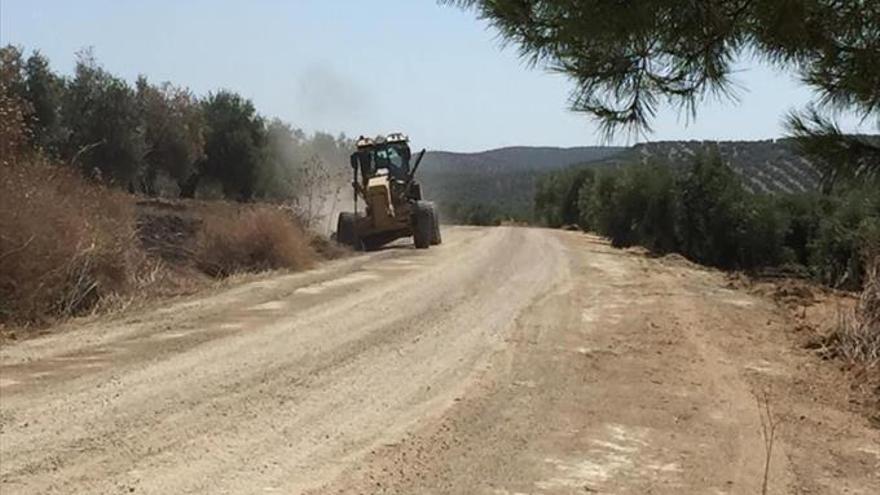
x=595, y=202
x=704, y=212
x=712, y=212
x=557, y=196
x=843, y=235
x=646, y=204
x=475, y=214
x=762, y=234
x=804, y=212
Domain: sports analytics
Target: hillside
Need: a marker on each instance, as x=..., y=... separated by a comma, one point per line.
x=496, y=181
x=516, y=158
x=764, y=166
x=471, y=187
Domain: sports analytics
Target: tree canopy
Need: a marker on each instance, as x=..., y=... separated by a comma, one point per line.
x=628, y=57
x=106, y=139
x=157, y=139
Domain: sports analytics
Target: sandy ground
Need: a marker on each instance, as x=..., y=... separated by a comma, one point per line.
x=506, y=361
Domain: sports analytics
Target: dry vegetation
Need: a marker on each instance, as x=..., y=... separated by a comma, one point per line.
x=858, y=337
x=69, y=246
x=64, y=243
x=263, y=238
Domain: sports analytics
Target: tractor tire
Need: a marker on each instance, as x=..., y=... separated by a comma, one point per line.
x=422, y=224
x=346, y=231
x=435, y=237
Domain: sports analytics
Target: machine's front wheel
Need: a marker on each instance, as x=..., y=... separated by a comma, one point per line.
x=346, y=231
x=422, y=224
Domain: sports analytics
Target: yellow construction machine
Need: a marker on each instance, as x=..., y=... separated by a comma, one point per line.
x=384, y=179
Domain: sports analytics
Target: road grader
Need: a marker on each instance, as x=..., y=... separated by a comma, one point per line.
x=384, y=179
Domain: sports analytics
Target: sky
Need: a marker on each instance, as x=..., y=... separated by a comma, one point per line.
x=366, y=67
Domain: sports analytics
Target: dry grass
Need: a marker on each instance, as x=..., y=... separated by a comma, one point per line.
x=329, y=249
x=257, y=239
x=858, y=337
x=64, y=243
x=70, y=247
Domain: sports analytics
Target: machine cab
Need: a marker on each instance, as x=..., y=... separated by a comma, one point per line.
x=383, y=156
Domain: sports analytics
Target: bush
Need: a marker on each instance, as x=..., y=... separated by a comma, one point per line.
x=101, y=113
x=804, y=213
x=64, y=243
x=705, y=213
x=595, y=202
x=474, y=213
x=258, y=239
x=712, y=213
x=762, y=234
x=557, y=196
x=843, y=234
x=635, y=205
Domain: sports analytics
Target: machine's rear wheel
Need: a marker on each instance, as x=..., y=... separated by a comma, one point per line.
x=346, y=230
x=435, y=220
x=423, y=224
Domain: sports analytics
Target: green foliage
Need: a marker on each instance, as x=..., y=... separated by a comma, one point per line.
x=147, y=138
x=12, y=72
x=556, y=196
x=278, y=175
x=804, y=213
x=464, y=196
x=477, y=214
x=505, y=178
x=712, y=213
x=595, y=203
x=703, y=212
x=844, y=235
x=174, y=132
x=842, y=158
x=44, y=91
x=101, y=112
x=644, y=208
x=762, y=233
x=234, y=138
x=627, y=59
x=630, y=205
x=14, y=108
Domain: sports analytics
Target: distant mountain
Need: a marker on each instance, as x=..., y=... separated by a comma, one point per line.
x=515, y=158
x=502, y=179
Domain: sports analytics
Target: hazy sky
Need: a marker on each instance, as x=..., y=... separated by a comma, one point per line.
x=362, y=67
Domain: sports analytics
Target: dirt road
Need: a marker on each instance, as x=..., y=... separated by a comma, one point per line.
x=505, y=361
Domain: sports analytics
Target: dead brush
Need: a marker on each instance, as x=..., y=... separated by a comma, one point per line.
x=858, y=337
x=64, y=242
x=254, y=240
